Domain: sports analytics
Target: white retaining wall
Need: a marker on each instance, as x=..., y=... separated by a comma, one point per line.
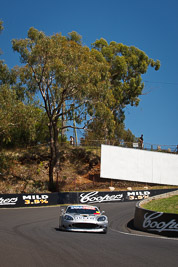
x=138, y=165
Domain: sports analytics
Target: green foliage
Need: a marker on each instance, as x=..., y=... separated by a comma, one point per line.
x=4, y=73
x=20, y=124
x=41, y=127
x=95, y=132
x=99, y=83
x=74, y=36
x=126, y=66
x=62, y=70
x=5, y=162
x=128, y=138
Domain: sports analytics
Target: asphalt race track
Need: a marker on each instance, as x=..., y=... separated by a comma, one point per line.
x=30, y=237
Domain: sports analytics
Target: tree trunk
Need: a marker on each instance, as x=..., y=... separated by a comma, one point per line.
x=52, y=157
x=63, y=131
x=54, y=149
x=51, y=182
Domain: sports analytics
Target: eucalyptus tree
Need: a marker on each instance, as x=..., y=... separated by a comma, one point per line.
x=7, y=76
x=3, y=67
x=17, y=120
x=63, y=72
x=127, y=65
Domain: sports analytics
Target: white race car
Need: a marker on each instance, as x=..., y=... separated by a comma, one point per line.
x=83, y=218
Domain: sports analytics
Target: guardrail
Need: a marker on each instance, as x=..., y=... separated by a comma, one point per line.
x=134, y=145
x=96, y=144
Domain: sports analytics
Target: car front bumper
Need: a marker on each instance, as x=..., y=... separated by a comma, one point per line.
x=85, y=227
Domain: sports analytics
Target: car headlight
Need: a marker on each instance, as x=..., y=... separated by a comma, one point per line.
x=68, y=218
x=101, y=219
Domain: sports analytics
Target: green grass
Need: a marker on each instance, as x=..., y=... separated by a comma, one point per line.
x=167, y=205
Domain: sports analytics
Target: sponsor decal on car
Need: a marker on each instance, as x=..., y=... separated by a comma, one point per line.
x=97, y=213
x=8, y=201
x=35, y=199
x=83, y=207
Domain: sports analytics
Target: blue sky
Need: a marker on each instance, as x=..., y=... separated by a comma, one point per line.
x=150, y=25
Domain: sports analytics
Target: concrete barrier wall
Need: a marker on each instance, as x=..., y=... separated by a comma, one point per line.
x=165, y=224
x=93, y=197
x=139, y=165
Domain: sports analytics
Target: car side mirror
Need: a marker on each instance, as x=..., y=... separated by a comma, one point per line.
x=103, y=212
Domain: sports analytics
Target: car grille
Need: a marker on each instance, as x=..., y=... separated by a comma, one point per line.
x=85, y=225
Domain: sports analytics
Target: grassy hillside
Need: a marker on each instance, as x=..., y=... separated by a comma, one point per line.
x=167, y=205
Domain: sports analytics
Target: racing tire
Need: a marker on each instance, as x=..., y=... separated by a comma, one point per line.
x=105, y=231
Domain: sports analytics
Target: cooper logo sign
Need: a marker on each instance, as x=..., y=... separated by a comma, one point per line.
x=93, y=197
x=152, y=224
x=8, y=201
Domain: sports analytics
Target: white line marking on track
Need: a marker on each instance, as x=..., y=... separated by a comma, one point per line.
x=155, y=237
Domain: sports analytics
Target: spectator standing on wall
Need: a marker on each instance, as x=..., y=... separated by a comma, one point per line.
x=141, y=141
x=72, y=140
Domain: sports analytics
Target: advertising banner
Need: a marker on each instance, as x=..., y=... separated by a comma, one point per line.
x=138, y=165
x=165, y=224
x=119, y=196
x=28, y=200
x=35, y=200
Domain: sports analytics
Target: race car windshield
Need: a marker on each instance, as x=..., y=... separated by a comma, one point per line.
x=83, y=210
